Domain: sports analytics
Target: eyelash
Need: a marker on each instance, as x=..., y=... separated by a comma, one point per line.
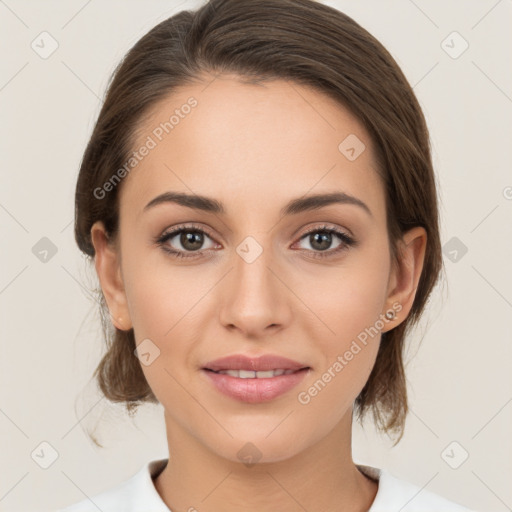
x=347, y=241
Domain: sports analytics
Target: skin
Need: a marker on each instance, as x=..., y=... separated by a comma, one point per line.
x=253, y=148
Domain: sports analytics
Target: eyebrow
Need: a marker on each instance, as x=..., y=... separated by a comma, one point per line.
x=293, y=207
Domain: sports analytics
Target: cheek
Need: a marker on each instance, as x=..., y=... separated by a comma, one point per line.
x=350, y=298
x=346, y=356
x=159, y=295
x=161, y=307
x=167, y=305
x=349, y=303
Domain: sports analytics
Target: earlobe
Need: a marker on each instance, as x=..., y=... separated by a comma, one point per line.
x=107, y=264
x=405, y=274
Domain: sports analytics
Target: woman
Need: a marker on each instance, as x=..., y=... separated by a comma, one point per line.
x=259, y=201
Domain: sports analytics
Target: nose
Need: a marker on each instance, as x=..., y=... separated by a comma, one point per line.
x=253, y=297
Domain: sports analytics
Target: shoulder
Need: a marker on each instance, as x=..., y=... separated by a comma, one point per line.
x=397, y=494
x=132, y=495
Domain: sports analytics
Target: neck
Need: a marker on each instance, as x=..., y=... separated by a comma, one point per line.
x=320, y=478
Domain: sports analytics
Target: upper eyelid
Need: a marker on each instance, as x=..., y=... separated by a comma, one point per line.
x=325, y=227
x=184, y=227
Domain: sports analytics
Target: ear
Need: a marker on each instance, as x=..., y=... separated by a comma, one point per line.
x=405, y=275
x=108, y=267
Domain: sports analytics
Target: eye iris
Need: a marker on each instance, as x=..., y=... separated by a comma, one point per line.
x=191, y=240
x=323, y=239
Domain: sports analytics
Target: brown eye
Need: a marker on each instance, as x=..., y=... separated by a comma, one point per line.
x=191, y=240
x=184, y=241
x=321, y=240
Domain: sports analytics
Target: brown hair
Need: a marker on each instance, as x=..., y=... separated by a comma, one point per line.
x=305, y=42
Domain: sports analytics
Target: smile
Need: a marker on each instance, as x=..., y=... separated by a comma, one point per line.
x=254, y=379
x=250, y=374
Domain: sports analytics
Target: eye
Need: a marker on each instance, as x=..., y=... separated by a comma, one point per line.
x=184, y=239
x=320, y=240
x=187, y=241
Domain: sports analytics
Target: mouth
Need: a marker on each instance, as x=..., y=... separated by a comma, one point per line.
x=251, y=374
x=254, y=380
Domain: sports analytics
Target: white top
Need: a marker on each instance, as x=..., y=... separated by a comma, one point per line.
x=138, y=494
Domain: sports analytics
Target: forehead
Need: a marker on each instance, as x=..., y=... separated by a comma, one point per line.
x=246, y=144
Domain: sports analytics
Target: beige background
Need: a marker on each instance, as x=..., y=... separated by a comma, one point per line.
x=459, y=377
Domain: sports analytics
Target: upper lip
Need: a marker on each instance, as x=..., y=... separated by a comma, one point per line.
x=261, y=363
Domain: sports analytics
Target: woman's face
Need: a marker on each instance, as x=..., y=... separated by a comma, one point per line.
x=257, y=276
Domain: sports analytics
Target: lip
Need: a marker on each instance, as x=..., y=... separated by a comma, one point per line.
x=255, y=390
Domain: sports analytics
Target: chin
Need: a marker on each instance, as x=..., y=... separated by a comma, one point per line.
x=251, y=453
x=260, y=444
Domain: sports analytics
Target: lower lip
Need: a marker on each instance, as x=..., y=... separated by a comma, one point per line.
x=255, y=390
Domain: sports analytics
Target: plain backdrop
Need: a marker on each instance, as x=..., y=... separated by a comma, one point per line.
x=457, y=442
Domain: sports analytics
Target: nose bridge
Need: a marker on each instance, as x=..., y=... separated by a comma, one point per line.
x=251, y=274
x=253, y=300
x=255, y=272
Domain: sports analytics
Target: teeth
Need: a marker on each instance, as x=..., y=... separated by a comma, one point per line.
x=264, y=375
x=249, y=374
